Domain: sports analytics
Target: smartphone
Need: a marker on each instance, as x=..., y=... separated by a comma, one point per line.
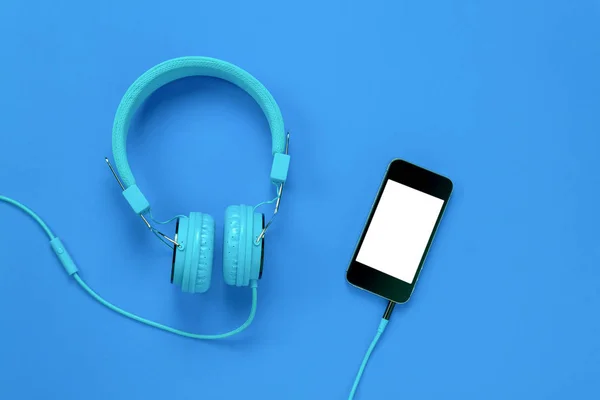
x=398, y=233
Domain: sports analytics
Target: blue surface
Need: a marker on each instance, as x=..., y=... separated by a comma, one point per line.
x=501, y=98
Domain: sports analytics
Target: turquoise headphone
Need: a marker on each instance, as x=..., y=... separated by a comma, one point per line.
x=194, y=238
x=193, y=242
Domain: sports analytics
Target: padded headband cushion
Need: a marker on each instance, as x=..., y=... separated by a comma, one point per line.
x=177, y=68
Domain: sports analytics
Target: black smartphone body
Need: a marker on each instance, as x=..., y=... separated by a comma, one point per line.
x=399, y=231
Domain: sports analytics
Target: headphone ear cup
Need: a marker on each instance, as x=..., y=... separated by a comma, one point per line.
x=242, y=257
x=193, y=260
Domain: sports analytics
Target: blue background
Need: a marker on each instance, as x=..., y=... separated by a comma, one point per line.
x=502, y=98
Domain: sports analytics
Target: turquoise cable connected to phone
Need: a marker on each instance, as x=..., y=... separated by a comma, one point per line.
x=382, y=325
x=193, y=242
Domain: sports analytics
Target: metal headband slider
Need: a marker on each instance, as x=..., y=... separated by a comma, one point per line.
x=280, y=185
x=138, y=203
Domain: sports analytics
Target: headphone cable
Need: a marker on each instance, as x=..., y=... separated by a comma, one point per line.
x=71, y=269
x=382, y=324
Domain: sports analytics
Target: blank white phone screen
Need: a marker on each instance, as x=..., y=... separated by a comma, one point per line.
x=399, y=231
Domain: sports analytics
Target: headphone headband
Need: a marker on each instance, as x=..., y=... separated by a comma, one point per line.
x=177, y=68
x=171, y=70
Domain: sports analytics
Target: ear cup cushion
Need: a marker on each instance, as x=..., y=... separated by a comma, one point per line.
x=206, y=245
x=192, y=269
x=231, y=244
x=242, y=257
